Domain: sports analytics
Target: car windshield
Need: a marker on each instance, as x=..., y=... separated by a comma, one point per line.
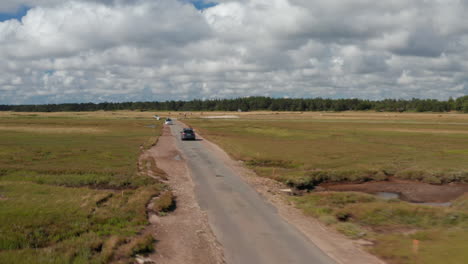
x=188, y=131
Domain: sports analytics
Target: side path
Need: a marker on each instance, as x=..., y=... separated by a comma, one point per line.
x=248, y=227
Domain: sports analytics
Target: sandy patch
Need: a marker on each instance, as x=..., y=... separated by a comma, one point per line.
x=53, y=130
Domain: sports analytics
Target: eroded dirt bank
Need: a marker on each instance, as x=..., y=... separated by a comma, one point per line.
x=410, y=191
x=183, y=236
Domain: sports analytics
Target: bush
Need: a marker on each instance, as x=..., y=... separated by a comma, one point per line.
x=143, y=245
x=164, y=203
x=432, y=179
x=343, y=216
x=410, y=175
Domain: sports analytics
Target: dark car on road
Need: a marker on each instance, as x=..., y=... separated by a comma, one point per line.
x=187, y=134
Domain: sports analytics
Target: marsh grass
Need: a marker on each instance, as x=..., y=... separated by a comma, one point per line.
x=392, y=225
x=305, y=152
x=70, y=188
x=306, y=149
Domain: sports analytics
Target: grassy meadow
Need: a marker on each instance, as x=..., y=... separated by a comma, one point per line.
x=306, y=149
x=70, y=190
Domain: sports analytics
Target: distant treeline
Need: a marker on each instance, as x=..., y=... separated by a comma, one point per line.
x=260, y=103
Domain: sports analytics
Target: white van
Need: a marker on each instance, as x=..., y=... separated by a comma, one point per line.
x=168, y=121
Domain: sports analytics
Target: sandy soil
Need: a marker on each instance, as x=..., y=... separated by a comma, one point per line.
x=184, y=235
x=337, y=246
x=409, y=191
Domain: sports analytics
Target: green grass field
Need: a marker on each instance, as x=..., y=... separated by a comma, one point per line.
x=306, y=149
x=393, y=225
x=70, y=191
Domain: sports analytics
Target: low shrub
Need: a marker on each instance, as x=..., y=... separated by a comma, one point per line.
x=343, y=216
x=432, y=179
x=165, y=202
x=411, y=175
x=142, y=245
x=271, y=163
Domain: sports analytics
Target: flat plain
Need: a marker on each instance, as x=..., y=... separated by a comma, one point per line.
x=70, y=189
x=315, y=153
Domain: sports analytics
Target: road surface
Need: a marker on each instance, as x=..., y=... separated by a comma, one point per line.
x=248, y=227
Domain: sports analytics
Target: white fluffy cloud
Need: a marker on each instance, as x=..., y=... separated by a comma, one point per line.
x=120, y=50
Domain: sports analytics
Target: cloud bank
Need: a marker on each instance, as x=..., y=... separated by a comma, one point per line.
x=120, y=50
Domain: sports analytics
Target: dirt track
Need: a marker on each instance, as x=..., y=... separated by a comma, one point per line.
x=246, y=224
x=183, y=236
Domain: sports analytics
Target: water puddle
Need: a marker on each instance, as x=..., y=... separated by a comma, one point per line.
x=388, y=195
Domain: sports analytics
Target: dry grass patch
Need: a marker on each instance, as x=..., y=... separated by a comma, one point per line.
x=53, y=130
x=164, y=203
x=430, y=131
x=73, y=193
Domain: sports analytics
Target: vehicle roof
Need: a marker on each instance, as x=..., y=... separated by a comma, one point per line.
x=188, y=129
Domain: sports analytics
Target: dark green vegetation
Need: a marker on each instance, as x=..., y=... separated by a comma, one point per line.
x=260, y=103
x=70, y=190
x=306, y=150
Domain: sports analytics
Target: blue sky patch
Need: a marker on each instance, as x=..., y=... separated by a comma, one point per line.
x=49, y=72
x=20, y=13
x=202, y=4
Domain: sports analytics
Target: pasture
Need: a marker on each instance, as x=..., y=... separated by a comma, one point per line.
x=308, y=150
x=70, y=190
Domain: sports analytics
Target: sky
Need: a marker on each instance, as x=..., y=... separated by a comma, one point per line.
x=60, y=51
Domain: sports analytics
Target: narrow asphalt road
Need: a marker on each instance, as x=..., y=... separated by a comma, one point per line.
x=248, y=227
